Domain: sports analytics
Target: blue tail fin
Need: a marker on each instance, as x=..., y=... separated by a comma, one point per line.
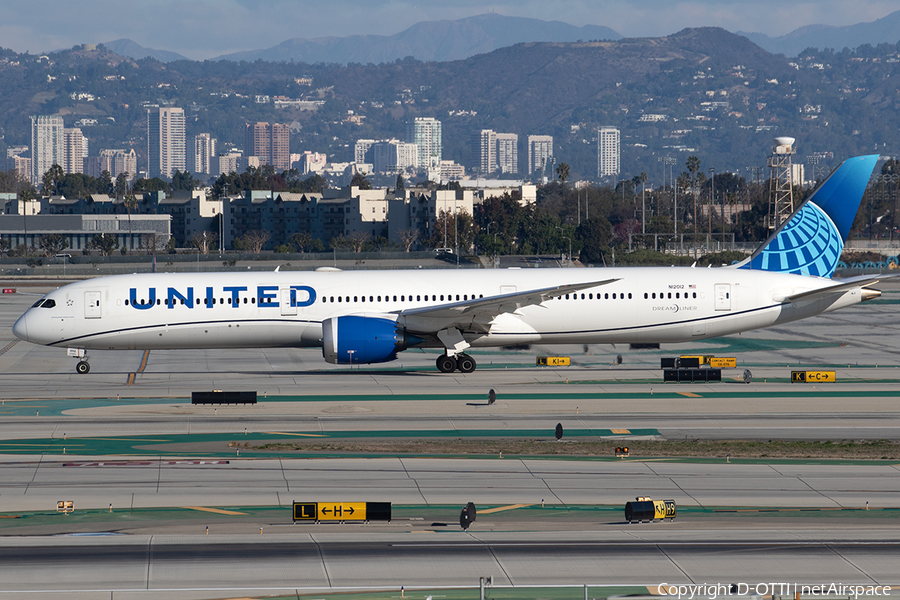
x=811, y=241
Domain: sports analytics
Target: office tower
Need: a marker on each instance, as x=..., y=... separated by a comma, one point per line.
x=484, y=155
x=362, y=151
x=540, y=152
x=46, y=145
x=607, y=152
x=394, y=156
x=425, y=132
x=204, y=149
x=508, y=152
x=165, y=141
x=270, y=142
x=74, y=150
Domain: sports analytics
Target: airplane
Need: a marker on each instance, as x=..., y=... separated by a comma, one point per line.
x=365, y=317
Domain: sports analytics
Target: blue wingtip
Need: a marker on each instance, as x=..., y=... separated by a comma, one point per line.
x=839, y=197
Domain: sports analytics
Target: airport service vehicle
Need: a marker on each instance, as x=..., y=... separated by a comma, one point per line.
x=362, y=317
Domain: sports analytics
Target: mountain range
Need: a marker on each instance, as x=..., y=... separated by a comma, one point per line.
x=883, y=30
x=439, y=41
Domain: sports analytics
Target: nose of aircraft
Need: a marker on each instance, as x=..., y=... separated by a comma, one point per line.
x=20, y=328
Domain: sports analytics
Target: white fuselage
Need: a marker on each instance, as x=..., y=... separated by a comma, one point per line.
x=286, y=309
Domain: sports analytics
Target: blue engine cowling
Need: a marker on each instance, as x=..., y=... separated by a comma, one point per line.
x=358, y=340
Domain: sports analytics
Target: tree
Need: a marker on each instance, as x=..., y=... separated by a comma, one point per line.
x=104, y=242
x=408, y=237
x=595, y=235
x=51, y=180
x=52, y=244
x=121, y=185
x=183, y=180
x=562, y=172
x=359, y=180
x=400, y=185
x=204, y=241
x=253, y=241
x=305, y=242
x=358, y=239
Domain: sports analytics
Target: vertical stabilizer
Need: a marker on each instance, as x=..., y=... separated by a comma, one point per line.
x=810, y=242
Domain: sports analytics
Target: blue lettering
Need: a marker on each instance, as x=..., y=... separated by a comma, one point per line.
x=209, y=297
x=188, y=300
x=235, y=291
x=267, y=294
x=151, y=299
x=311, y=295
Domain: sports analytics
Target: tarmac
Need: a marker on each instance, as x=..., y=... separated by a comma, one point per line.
x=148, y=471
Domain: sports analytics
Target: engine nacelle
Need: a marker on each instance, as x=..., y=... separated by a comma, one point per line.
x=357, y=340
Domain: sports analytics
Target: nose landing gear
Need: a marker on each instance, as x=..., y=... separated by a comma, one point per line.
x=83, y=367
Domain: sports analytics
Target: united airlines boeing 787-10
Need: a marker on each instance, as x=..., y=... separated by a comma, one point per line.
x=369, y=316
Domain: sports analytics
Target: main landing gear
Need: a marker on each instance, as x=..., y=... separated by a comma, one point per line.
x=83, y=367
x=461, y=362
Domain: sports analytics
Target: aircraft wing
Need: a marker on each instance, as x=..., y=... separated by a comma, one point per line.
x=839, y=287
x=482, y=310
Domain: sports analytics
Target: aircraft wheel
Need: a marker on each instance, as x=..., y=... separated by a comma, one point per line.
x=465, y=363
x=446, y=364
x=83, y=367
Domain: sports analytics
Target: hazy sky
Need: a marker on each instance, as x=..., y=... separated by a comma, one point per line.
x=204, y=28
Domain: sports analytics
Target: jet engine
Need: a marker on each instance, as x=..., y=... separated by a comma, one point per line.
x=361, y=340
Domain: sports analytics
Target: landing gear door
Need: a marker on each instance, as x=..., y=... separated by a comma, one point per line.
x=92, y=305
x=723, y=296
x=288, y=302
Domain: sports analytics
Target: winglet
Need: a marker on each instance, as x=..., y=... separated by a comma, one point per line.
x=811, y=241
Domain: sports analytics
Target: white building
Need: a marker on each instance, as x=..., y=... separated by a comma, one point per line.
x=74, y=150
x=608, y=152
x=117, y=160
x=362, y=151
x=47, y=145
x=425, y=133
x=508, y=153
x=204, y=149
x=484, y=154
x=310, y=162
x=540, y=152
x=165, y=141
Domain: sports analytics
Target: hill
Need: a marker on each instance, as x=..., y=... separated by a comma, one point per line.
x=427, y=41
x=126, y=47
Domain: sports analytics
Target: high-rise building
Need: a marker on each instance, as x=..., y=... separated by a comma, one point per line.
x=203, y=150
x=74, y=150
x=47, y=142
x=484, y=155
x=508, y=152
x=165, y=141
x=540, y=152
x=270, y=142
x=393, y=156
x=608, y=139
x=425, y=132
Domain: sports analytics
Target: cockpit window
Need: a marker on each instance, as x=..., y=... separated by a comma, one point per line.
x=44, y=303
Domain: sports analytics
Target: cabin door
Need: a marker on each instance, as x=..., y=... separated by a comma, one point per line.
x=723, y=296
x=92, y=305
x=288, y=302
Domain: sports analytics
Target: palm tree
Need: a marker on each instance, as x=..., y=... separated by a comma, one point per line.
x=562, y=171
x=693, y=167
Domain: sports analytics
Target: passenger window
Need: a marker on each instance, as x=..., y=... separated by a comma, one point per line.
x=582, y=296
x=695, y=294
x=629, y=295
x=253, y=300
x=379, y=298
x=395, y=298
x=645, y=295
x=339, y=298
x=355, y=298
x=606, y=296
x=590, y=296
x=126, y=302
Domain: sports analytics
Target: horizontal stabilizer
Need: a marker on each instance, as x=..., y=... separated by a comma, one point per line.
x=839, y=287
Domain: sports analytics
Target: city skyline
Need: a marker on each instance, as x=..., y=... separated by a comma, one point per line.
x=203, y=30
